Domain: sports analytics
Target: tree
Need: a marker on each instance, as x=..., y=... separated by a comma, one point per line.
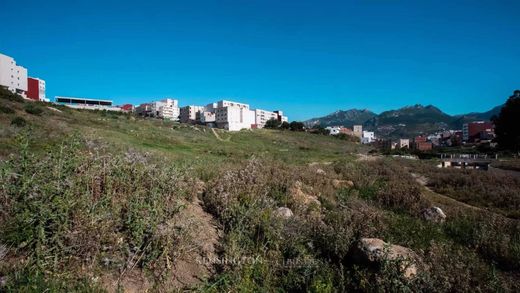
x=507, y=122
x=272, y=123
x=285, y=125
x=296, y=126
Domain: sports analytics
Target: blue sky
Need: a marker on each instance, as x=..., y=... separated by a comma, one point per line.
x=308, y=58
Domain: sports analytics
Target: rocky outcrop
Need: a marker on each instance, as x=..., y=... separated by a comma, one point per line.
x=374, y=251
x=433, y=214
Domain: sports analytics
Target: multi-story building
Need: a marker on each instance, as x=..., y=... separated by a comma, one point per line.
x=420, y=143
x=85, y=103
x=144, y=110
x=368, y=137
x=190, y=114
x=36, y=89
x=166, y=109
x=478, y=130
x=404, y=143
x=262, y=116
x=357, y=130
x=234, y=116
x=12, y=76
x=281, y=117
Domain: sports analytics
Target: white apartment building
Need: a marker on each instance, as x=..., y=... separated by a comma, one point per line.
x=12, y=76
x=262, y=116
x=234, y=116
x=368, y=137
x=166, y=109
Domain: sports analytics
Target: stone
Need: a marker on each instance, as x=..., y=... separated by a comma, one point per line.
x=283, y=212
x=434, y=214
x=320, y=172
x=375, y=251
x=336, y=183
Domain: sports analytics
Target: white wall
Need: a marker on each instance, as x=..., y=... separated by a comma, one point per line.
x=12, y=77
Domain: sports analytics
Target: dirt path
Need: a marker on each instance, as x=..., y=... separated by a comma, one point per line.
x=218, y=136
x=440, y=198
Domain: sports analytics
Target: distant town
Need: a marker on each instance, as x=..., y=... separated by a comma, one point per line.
x=235, y=116
x=229, y=115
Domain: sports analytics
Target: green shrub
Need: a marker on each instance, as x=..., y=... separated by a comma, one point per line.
x=8, y=95
x=18, y=121
x=6, y=109
x=33, y=109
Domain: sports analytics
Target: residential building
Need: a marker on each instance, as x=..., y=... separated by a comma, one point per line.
x=13, y=77
x=333, y=130
x=346, y=131
x=36, y=89
x=281, y=117
x=144, y=110
x=189, y=114
x=234, y=116
x=478, y=130
x=262, y=116
x=86, y=103
x=368, y=137
x=358, y=130
x=404, y=143
x=166, y=109
x=420, y=143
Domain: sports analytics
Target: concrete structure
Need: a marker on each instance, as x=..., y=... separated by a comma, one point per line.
x=36, y=89
x=262, y=116
x=234, y=116
x=358, y=131
x=368, y=137
x=281, y=117
x=12, y=76
x=478, y=130
x=229, y=115
x=85, y=103
x=164, y=109
x=334, y=130
x=190, y=114
x=404, y=143
x=144, y=110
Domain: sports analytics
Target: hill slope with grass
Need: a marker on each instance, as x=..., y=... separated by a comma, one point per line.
x=97, y=201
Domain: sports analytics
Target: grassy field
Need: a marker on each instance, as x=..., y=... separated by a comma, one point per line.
x=95, y=201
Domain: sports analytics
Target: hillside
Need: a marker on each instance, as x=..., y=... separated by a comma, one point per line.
x=408, y=121
x=346, y=118
x=97, y=201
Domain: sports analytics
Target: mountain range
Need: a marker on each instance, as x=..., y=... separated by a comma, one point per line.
x=408, y=121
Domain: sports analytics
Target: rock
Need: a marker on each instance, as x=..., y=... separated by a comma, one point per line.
x=300, y=196
x=320, y=172
x=283, y=212
x=375, y=251
x=342, y=183
x=434, y=214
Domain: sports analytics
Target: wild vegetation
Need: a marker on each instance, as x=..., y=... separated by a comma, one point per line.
x=95, y=201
